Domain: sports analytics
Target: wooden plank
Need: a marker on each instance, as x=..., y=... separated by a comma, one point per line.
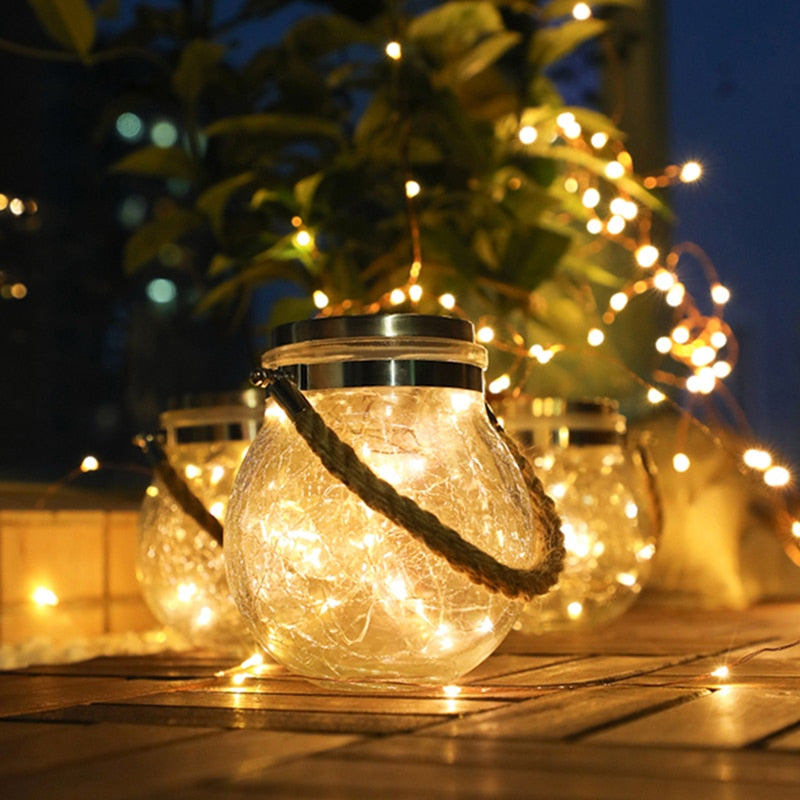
x=557, y=715
x=446, y=769
x=586, y=671
x=41, y=746
x=230, y=717
x=734, y=716
x=20, y=694
x=168, y=765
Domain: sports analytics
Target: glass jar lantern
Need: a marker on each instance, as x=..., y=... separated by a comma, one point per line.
x=332, y=588
x=180, y=565
x=604, y=492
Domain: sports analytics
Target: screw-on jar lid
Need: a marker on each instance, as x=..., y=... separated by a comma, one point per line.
x=379, y=350
x=384, y=326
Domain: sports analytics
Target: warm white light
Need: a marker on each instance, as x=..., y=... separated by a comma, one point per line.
x=614, y=170
x=646, y=255
x=574, y=609
x=452, y=690
x=626, y=579
x=151, y=491
x=594, y=225
x=615, y=225
x=681, y=462
x=205, y=616
x=618, y=301
x=680, y=334
x=703, y=355
x=397, y=296
x=412, y=188
x=447, y=301
x=217, y=510
x=528, y=134
x=721, y=672
x=415, y=293
x=599, y=140
x=663, y=344
x=663, y=280
x=581, y=11
x=90, y=464
x=500, y=384
x=571, y=185
x=655, y=396
x=691, y=171
x=722, y=369
x=320, y=299
x=595, y=337
x=777, y=477
x=43, y=596
x=591, y=197
x=394, y=51
x=16, y=207
x=719, y=339
x=303, y=238
x=676, y=295
x=192, y=471
x=796, y=529
x=757, y=459
x=186, y=591
x=720, y=294
x=484, y=334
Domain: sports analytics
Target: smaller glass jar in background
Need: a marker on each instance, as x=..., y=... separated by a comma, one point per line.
x=180, y=566
x=604, y=492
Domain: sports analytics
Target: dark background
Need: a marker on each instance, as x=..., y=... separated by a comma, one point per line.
x=87, y=361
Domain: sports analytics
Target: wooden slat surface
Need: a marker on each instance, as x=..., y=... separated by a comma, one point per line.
x=628, y=711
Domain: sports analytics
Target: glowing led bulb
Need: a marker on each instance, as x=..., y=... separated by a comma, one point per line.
x=646, y=255
x=447, y=301
x=599, y=140
x=721, y=369
x=484, y=334
x=655, y=396
x=43, y=596
x=581, y=11
x=595, y=337
x=796, y=529
x=320, y=299
x=618, y=301
x=412, y=188
x=528, y=134
x=756, y=458
x=615, y=225
x=721, y=672
x=777, y=477
x=703, y=355
x=680, y=334
x=500, y=384
x=663, y=280
x=302, y=238
x=415, y=293
x=394, y=50
x=90, y=464
x=690, y=172
x=590, y=198
x=663, y=344
x=681, y=462
x=614, y=170
x=720, y=294
x=594, y=225
x=397, y=296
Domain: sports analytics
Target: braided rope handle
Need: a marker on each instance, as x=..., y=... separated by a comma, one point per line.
x=341, y=461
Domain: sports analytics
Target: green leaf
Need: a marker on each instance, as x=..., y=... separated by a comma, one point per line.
x=291, y=309
x=532, y=256
x=68, y=22
x=212, y=201
x=483, y=55
x=305, y=189
x=197, y=63
x=552, y=44
x=314, y=36
x=159, y=162
x=284, y=125
x=450, y=29
x=146, y=243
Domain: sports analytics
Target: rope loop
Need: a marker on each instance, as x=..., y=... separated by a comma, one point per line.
x=341, y=460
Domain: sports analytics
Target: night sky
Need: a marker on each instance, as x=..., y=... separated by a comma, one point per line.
x=734, y=77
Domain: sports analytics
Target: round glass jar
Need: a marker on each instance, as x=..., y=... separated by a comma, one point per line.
x=333, y=589
x=604, y=494
x=180, y=567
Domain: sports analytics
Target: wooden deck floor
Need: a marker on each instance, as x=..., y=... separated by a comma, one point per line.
x=629, y=711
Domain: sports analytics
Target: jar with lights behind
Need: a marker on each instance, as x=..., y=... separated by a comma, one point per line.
x=605, y=494
x=367, y=415
x=180, y=563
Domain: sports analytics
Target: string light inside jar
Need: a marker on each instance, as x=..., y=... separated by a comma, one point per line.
x=605, y=494
x=335, y=589
x=180, y=563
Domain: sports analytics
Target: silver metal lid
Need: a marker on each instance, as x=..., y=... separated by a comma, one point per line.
x=373, y=325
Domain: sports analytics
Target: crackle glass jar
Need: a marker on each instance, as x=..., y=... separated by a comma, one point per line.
x=180, y=567
x=333, y=589
x=605, y=494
